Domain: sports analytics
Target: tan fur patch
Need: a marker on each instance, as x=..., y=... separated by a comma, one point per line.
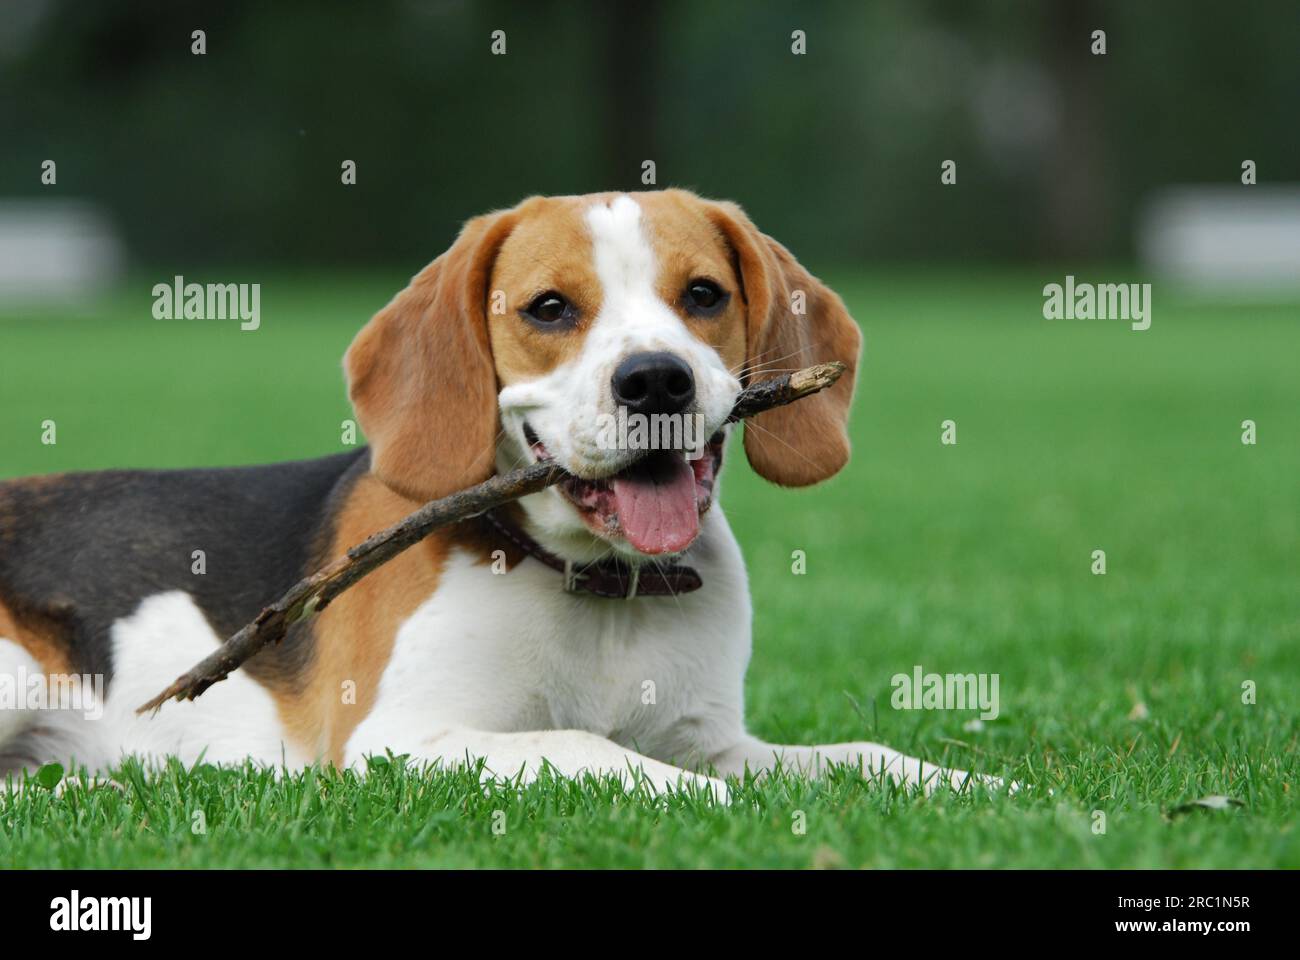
x=354, y=635
x=548, y=250
x=41, y=641
x=39, y=634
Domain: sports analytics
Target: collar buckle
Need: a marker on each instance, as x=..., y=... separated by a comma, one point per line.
x=572, y=578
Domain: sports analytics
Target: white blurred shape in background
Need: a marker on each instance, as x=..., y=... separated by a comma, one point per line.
x=56, y=249
x=1225, y=241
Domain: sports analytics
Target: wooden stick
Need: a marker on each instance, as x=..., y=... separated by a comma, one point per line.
x=314, y=593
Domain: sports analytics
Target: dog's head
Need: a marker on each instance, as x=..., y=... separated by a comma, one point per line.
x=590, y=330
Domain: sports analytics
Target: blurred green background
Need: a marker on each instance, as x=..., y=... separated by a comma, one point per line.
x=234, y=157
x=1121, y=692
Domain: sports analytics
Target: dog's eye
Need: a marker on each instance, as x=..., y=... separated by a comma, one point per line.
x=704, y=297
x=551, y=310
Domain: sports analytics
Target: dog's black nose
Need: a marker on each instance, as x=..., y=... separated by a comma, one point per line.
x=650, y=383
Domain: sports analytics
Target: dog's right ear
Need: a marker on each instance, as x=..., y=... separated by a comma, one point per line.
x=420, y=374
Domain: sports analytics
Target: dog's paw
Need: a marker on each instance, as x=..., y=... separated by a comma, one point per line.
x=932, y=778
x=663, y=779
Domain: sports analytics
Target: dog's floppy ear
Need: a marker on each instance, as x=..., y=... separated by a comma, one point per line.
x=794, y=320
x=420, y=373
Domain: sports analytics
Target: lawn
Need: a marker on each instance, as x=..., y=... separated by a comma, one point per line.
x=1122, y=692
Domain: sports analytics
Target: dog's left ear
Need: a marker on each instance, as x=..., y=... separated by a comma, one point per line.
x=794, y=320
x=420, y=373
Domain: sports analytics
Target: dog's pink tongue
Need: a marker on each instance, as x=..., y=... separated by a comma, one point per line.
x=656, y=504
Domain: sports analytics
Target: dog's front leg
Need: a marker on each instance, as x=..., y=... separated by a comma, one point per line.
x=571, y=753
x=872, y=759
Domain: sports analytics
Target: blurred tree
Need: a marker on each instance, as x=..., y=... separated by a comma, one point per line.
x=1077, y=204
x=631, y=44
x=236, y=155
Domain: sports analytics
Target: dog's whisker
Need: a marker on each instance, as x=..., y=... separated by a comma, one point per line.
x=759, y=360
x=751, y=424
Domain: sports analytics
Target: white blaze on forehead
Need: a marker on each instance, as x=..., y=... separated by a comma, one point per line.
x=634, y=317
x=624, y=259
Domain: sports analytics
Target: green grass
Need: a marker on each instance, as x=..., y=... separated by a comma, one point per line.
x=1072, y=436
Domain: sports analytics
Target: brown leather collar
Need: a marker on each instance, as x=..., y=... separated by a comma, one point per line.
x=611, y=578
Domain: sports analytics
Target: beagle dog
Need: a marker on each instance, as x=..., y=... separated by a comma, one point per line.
x=601, y=626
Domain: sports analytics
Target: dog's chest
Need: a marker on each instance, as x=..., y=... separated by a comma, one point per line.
x=513, y=652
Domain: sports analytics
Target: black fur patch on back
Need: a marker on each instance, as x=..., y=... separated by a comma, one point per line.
x=80, y=551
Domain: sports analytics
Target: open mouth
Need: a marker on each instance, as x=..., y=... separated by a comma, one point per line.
x=655, y=504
